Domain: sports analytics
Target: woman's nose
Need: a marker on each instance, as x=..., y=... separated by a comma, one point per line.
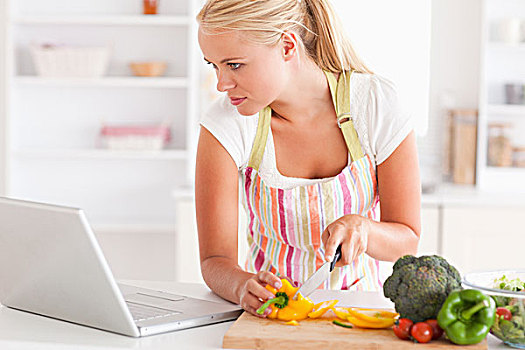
x=224, y=82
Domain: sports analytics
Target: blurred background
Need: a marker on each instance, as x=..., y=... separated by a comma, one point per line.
x=100, y=103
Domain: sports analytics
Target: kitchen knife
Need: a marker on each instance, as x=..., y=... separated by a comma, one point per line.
x=319, y=276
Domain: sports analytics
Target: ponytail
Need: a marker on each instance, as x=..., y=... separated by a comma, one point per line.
x=264, y=21
x=326, y=42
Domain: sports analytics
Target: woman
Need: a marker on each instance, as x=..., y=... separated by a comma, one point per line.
x=317, y=141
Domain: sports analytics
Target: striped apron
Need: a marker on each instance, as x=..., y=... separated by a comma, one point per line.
x=285, y=225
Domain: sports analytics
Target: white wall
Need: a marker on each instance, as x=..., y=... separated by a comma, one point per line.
x=454, y=73
x=3, y=99
x=393, y=38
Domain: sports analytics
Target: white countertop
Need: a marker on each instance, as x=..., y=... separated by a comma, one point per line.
x=24, y=331
x=468, y=195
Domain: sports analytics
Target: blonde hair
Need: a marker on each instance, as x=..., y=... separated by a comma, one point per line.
x=321, y=33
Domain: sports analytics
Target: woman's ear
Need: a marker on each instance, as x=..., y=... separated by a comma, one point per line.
x=289, y=45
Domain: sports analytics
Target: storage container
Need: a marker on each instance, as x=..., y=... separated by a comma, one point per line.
x=70, y=62
x=135, y=137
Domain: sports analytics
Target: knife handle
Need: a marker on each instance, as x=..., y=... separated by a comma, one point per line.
x=337, y=257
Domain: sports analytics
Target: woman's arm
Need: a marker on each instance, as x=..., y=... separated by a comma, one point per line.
x=216, y=197
x=400, y=196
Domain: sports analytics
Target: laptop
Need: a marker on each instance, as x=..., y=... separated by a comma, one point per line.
x=52, y=265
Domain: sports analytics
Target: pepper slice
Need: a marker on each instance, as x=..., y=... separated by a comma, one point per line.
x=379, y=323
x=466, y=316
x=341, y=312
x=284, y=307
x=370, y=315
x=321, y=308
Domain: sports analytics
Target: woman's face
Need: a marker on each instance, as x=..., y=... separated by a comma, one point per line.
x=252, y=75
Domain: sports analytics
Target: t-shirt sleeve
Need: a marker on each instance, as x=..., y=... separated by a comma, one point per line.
x=389, y=124
x=234, y=131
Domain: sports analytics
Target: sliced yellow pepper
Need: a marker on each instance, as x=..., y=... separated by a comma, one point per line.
x=322, y=307
x=284, y=307
x=379, y=323
x=292, y=323
x=373, y=316
x=341, y=312
x=376, y=312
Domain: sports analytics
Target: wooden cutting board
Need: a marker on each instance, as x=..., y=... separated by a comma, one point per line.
x=250, y=332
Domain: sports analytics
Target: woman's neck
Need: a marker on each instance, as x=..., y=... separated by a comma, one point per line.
x=306, y=98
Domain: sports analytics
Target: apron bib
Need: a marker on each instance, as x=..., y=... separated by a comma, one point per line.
x=285, y=225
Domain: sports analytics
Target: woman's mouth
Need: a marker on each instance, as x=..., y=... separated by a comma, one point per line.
x=237, y=100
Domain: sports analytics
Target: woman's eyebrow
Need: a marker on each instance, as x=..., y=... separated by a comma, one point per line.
x=226, y=59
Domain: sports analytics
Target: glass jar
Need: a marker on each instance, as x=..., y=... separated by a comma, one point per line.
x=150, y=7
x=518, y=157
x=499, y=146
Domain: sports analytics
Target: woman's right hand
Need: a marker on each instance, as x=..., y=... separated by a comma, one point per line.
x=253, y=293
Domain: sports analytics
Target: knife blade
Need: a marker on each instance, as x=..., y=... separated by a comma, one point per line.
x=318, y=276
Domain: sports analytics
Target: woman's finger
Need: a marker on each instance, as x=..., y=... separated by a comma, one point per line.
x=258, y=290
x=266, y=277
x=347, y=252
x=334, y=240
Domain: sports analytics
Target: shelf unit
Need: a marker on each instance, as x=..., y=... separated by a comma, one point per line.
x=501, y=63
x=49, y=127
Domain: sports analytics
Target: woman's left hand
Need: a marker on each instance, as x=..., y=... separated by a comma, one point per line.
x=349, y=231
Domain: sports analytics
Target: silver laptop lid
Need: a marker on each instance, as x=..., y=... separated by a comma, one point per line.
x=52, y=265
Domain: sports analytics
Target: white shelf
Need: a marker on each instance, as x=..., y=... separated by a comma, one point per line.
x=186, y=192
x=134, y=229
x=506, y=109
x=505, y=46
x=131, y=20
x=509, y=179
x=103, y=154
x=506, y=170
x=161, y=82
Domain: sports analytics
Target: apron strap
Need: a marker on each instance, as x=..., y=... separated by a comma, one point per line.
x=340, y=91
x=341, y=97
x=263, y=127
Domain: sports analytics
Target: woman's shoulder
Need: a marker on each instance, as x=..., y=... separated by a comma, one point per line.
x=383, y=120
x=375, y=84
x=234, y=131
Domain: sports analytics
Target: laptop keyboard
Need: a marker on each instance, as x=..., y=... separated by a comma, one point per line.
x=143, y=312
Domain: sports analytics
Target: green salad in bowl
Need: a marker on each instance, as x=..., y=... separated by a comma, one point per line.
x=507, y=288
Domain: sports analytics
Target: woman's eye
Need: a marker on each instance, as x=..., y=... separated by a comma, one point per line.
x=212, y=64
x=234, y=65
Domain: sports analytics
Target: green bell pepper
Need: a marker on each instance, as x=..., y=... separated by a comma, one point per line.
x=466, y=316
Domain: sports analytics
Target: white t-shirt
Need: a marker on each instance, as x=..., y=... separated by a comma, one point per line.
x=378, y=119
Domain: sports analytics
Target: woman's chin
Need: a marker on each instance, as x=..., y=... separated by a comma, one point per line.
x=248, y=110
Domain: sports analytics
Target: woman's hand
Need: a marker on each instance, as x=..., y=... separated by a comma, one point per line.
x=253, y=292
x=349, y=231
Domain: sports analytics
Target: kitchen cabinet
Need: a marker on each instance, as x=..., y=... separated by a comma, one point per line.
x=50, y=146
x=502, y=56
x=429, y=242
x=483, y=237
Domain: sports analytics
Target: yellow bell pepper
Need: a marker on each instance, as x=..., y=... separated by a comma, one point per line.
x=381, y=322
x=283, y=307
x=375, y=312
x=370, y=315
x=341, y=312
x=322, y=307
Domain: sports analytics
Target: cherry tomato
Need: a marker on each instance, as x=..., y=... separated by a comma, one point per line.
x=437, y=331
x=421, y=332
x=402, y=328
x=502, y=311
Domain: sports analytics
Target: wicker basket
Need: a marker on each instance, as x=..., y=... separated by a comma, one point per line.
x=148, y=69
x=58, y=61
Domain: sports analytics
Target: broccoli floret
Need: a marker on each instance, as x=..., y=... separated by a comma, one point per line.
x=419, y=286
